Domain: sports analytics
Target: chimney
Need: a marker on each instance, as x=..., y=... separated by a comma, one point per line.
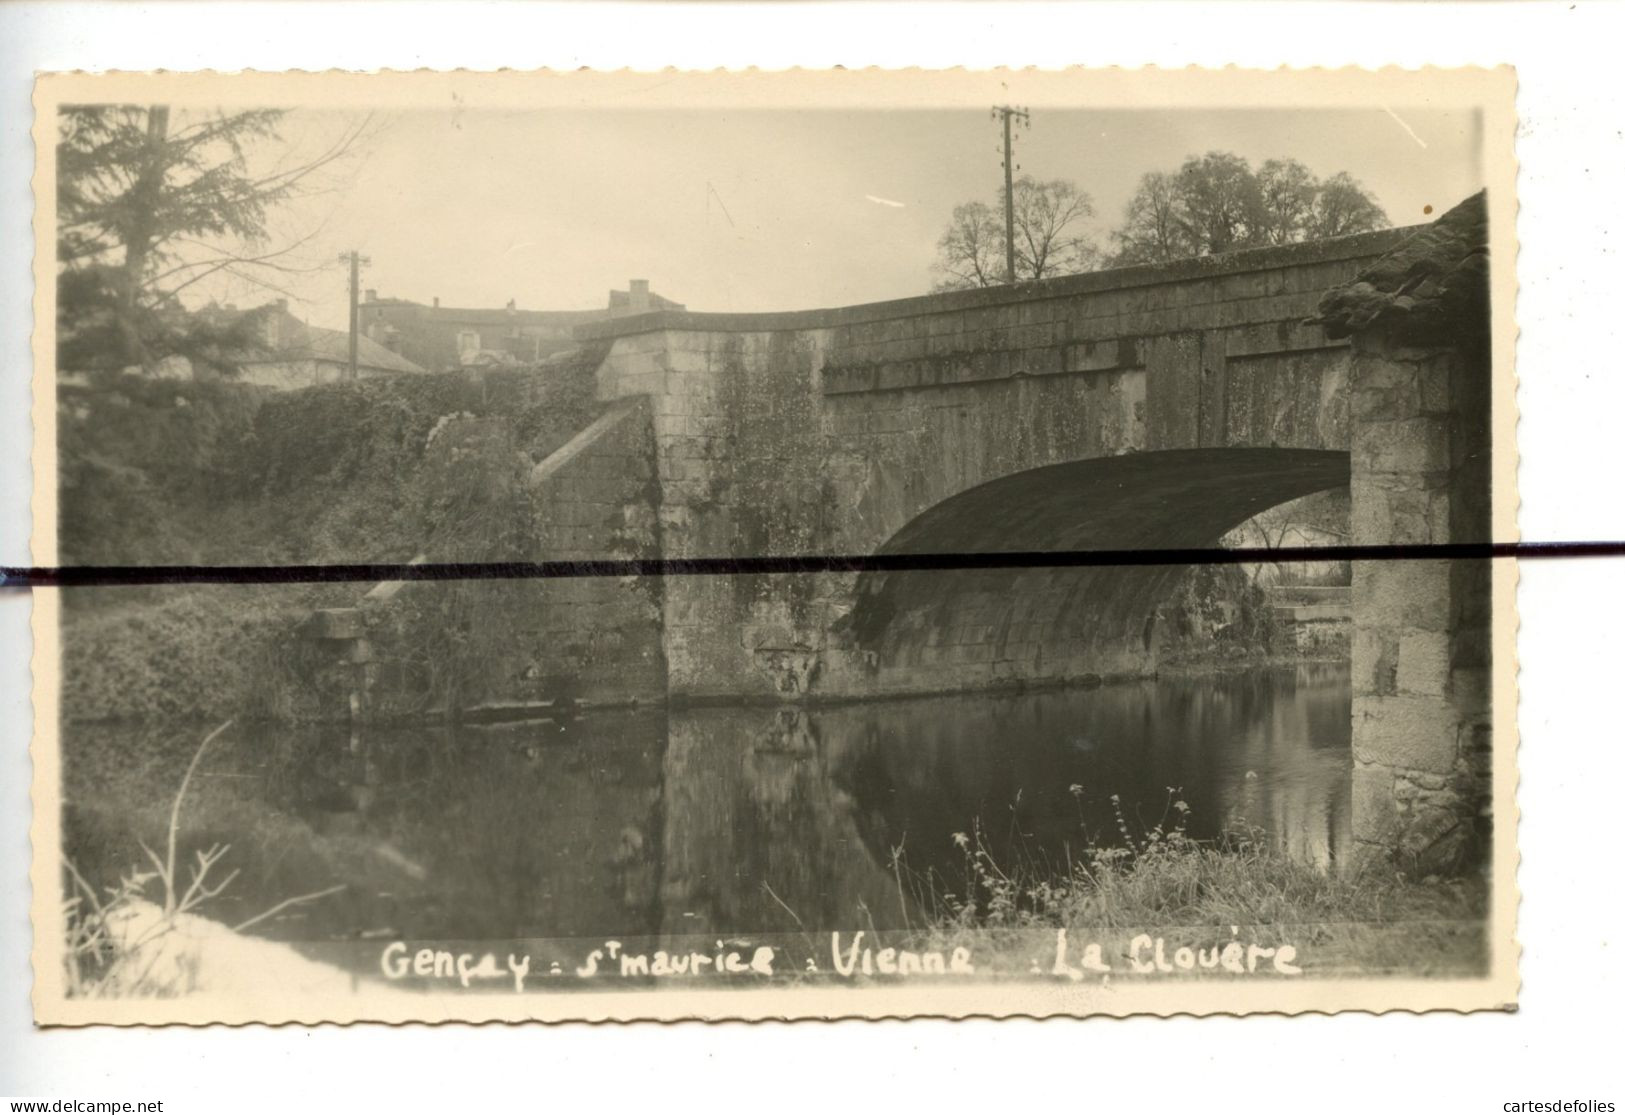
x=282, y=305
x=510, y=305
x=638, y=299
x=372, y=296
x=437, y=301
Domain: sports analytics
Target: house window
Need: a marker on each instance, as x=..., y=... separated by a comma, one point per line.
x=468, y=342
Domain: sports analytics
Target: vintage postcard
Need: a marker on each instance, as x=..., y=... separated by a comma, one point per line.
x=584, y=546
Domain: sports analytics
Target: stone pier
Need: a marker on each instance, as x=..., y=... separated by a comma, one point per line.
x=1420, y=407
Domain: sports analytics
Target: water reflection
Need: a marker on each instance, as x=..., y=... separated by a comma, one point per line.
x=1256, y=750
x=716, y=819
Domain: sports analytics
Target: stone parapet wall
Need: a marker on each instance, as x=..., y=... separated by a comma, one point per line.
x=1189, y=272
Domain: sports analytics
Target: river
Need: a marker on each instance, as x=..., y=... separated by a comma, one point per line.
x=710, y=820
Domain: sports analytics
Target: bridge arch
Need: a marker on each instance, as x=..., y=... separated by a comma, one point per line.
x=947, y=629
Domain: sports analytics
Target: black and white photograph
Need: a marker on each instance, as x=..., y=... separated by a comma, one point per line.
x=729, y=546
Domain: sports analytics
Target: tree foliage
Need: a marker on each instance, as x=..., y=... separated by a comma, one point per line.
x=1287, y=192
x=1217, y=202
x=1048, y=241
x=1342, y=207
x=150, y=203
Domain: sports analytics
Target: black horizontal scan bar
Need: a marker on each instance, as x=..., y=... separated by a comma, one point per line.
x=84, y=575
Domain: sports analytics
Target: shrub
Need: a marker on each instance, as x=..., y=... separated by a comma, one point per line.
x=118, y=943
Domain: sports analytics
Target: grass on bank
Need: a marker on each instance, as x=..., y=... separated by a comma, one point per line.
x=1368, y=920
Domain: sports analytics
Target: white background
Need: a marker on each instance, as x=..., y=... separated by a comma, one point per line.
x=1571, y=303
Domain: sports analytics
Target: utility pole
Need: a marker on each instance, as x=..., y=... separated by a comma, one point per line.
x=356, y=259
x=1008, y=112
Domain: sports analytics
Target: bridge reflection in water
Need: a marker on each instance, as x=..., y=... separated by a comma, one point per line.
x=736, y=819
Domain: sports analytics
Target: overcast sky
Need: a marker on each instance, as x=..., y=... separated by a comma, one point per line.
x=772, y=209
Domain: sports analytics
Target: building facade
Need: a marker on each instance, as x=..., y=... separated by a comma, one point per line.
x=442, y=338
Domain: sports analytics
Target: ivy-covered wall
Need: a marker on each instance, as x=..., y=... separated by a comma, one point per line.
x=168, y=472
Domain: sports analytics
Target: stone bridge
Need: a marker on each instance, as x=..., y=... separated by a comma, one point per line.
x=1131, y=409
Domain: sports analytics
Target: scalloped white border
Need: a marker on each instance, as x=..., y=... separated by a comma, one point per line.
x=1493, y=90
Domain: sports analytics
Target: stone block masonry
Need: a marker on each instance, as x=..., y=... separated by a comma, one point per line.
x=488, y=648
x=1421, y=651
x=1420, y=401
x=1138, y=408
x=598, y=497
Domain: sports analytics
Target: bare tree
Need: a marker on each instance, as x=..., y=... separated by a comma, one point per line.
x=1152, y=231
x=1046, y=218
x=970, y=252
x=1048, y=242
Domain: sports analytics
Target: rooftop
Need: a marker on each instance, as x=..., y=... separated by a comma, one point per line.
x=318, y=343
x=637, y=299
x=283, y=336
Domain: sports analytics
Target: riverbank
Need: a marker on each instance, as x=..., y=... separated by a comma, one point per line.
x=1176, y=904
x=752, y=820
